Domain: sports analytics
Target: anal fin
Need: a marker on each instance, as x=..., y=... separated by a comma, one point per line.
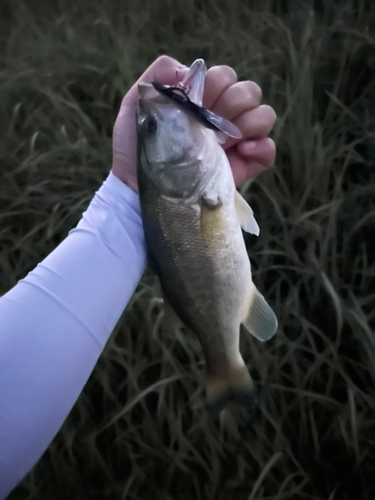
x=260, y=321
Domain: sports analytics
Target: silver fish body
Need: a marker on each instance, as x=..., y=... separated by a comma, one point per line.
x=192, y=217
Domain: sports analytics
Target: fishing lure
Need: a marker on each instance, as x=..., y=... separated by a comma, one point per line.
x=207, y=118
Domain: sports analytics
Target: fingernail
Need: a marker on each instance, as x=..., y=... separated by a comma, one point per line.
x=181, y=71
x=249, y=145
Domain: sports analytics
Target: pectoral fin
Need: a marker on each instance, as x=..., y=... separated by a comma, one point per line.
x=246, y=215
x=213, y=226
x=260, y=320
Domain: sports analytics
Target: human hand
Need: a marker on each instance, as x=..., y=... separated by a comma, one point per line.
x=164, y=70
x=239, y=102
x=235, y=101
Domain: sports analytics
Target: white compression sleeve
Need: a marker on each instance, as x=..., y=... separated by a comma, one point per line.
x=55, y=323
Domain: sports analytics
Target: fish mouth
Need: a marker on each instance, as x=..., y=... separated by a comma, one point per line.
x=188, y=95
x=191, y=85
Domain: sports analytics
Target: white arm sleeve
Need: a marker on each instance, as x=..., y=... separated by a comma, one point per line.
x=55, y=322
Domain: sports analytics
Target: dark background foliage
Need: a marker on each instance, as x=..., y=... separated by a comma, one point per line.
x=140, y=429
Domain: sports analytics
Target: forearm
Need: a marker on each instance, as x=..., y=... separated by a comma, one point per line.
x=55, y=323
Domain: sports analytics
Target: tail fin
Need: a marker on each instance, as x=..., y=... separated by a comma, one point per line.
x=236, y=387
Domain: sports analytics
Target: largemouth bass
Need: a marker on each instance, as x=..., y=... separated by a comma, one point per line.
x=193, y=219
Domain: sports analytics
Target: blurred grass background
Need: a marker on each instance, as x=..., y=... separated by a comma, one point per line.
x=140, y=429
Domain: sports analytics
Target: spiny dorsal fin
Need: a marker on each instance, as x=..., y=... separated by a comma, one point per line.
x=260, y=320
x=246, y=215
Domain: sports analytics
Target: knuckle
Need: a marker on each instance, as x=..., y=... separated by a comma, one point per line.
x=248, y=91
x=163, y=59
x=226, y=74
x=256, y=91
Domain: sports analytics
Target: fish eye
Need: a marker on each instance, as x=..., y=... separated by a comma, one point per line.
x=151, y=125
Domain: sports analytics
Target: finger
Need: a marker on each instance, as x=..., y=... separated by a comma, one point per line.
x=243, y=168
x=236, y=99
x=262, y=150
x=257, y=122
x=164, y=69
x=218, y=79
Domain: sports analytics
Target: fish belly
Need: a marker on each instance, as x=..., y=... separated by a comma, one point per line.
x=204, y=271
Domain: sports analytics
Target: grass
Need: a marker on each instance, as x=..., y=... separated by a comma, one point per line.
x=140, y=429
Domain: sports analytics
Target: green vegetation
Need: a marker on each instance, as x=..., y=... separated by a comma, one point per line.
x=140, y=429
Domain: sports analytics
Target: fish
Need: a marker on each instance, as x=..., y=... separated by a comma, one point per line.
x=193, y=218
x=209, y=119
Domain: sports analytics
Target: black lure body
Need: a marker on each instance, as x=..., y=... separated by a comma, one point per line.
x=199, y=113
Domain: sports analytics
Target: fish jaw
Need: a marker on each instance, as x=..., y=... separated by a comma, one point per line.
x=178, y=155
x=164, y=133
x=193, y=84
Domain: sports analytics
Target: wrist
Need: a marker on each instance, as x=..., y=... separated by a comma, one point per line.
x=128, y=180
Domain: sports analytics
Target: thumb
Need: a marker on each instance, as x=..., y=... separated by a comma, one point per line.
x=165, y=70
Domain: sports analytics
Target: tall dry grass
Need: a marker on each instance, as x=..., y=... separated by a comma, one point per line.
x=140, y=429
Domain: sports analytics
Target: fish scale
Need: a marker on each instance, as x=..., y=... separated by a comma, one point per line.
x=193, y=281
